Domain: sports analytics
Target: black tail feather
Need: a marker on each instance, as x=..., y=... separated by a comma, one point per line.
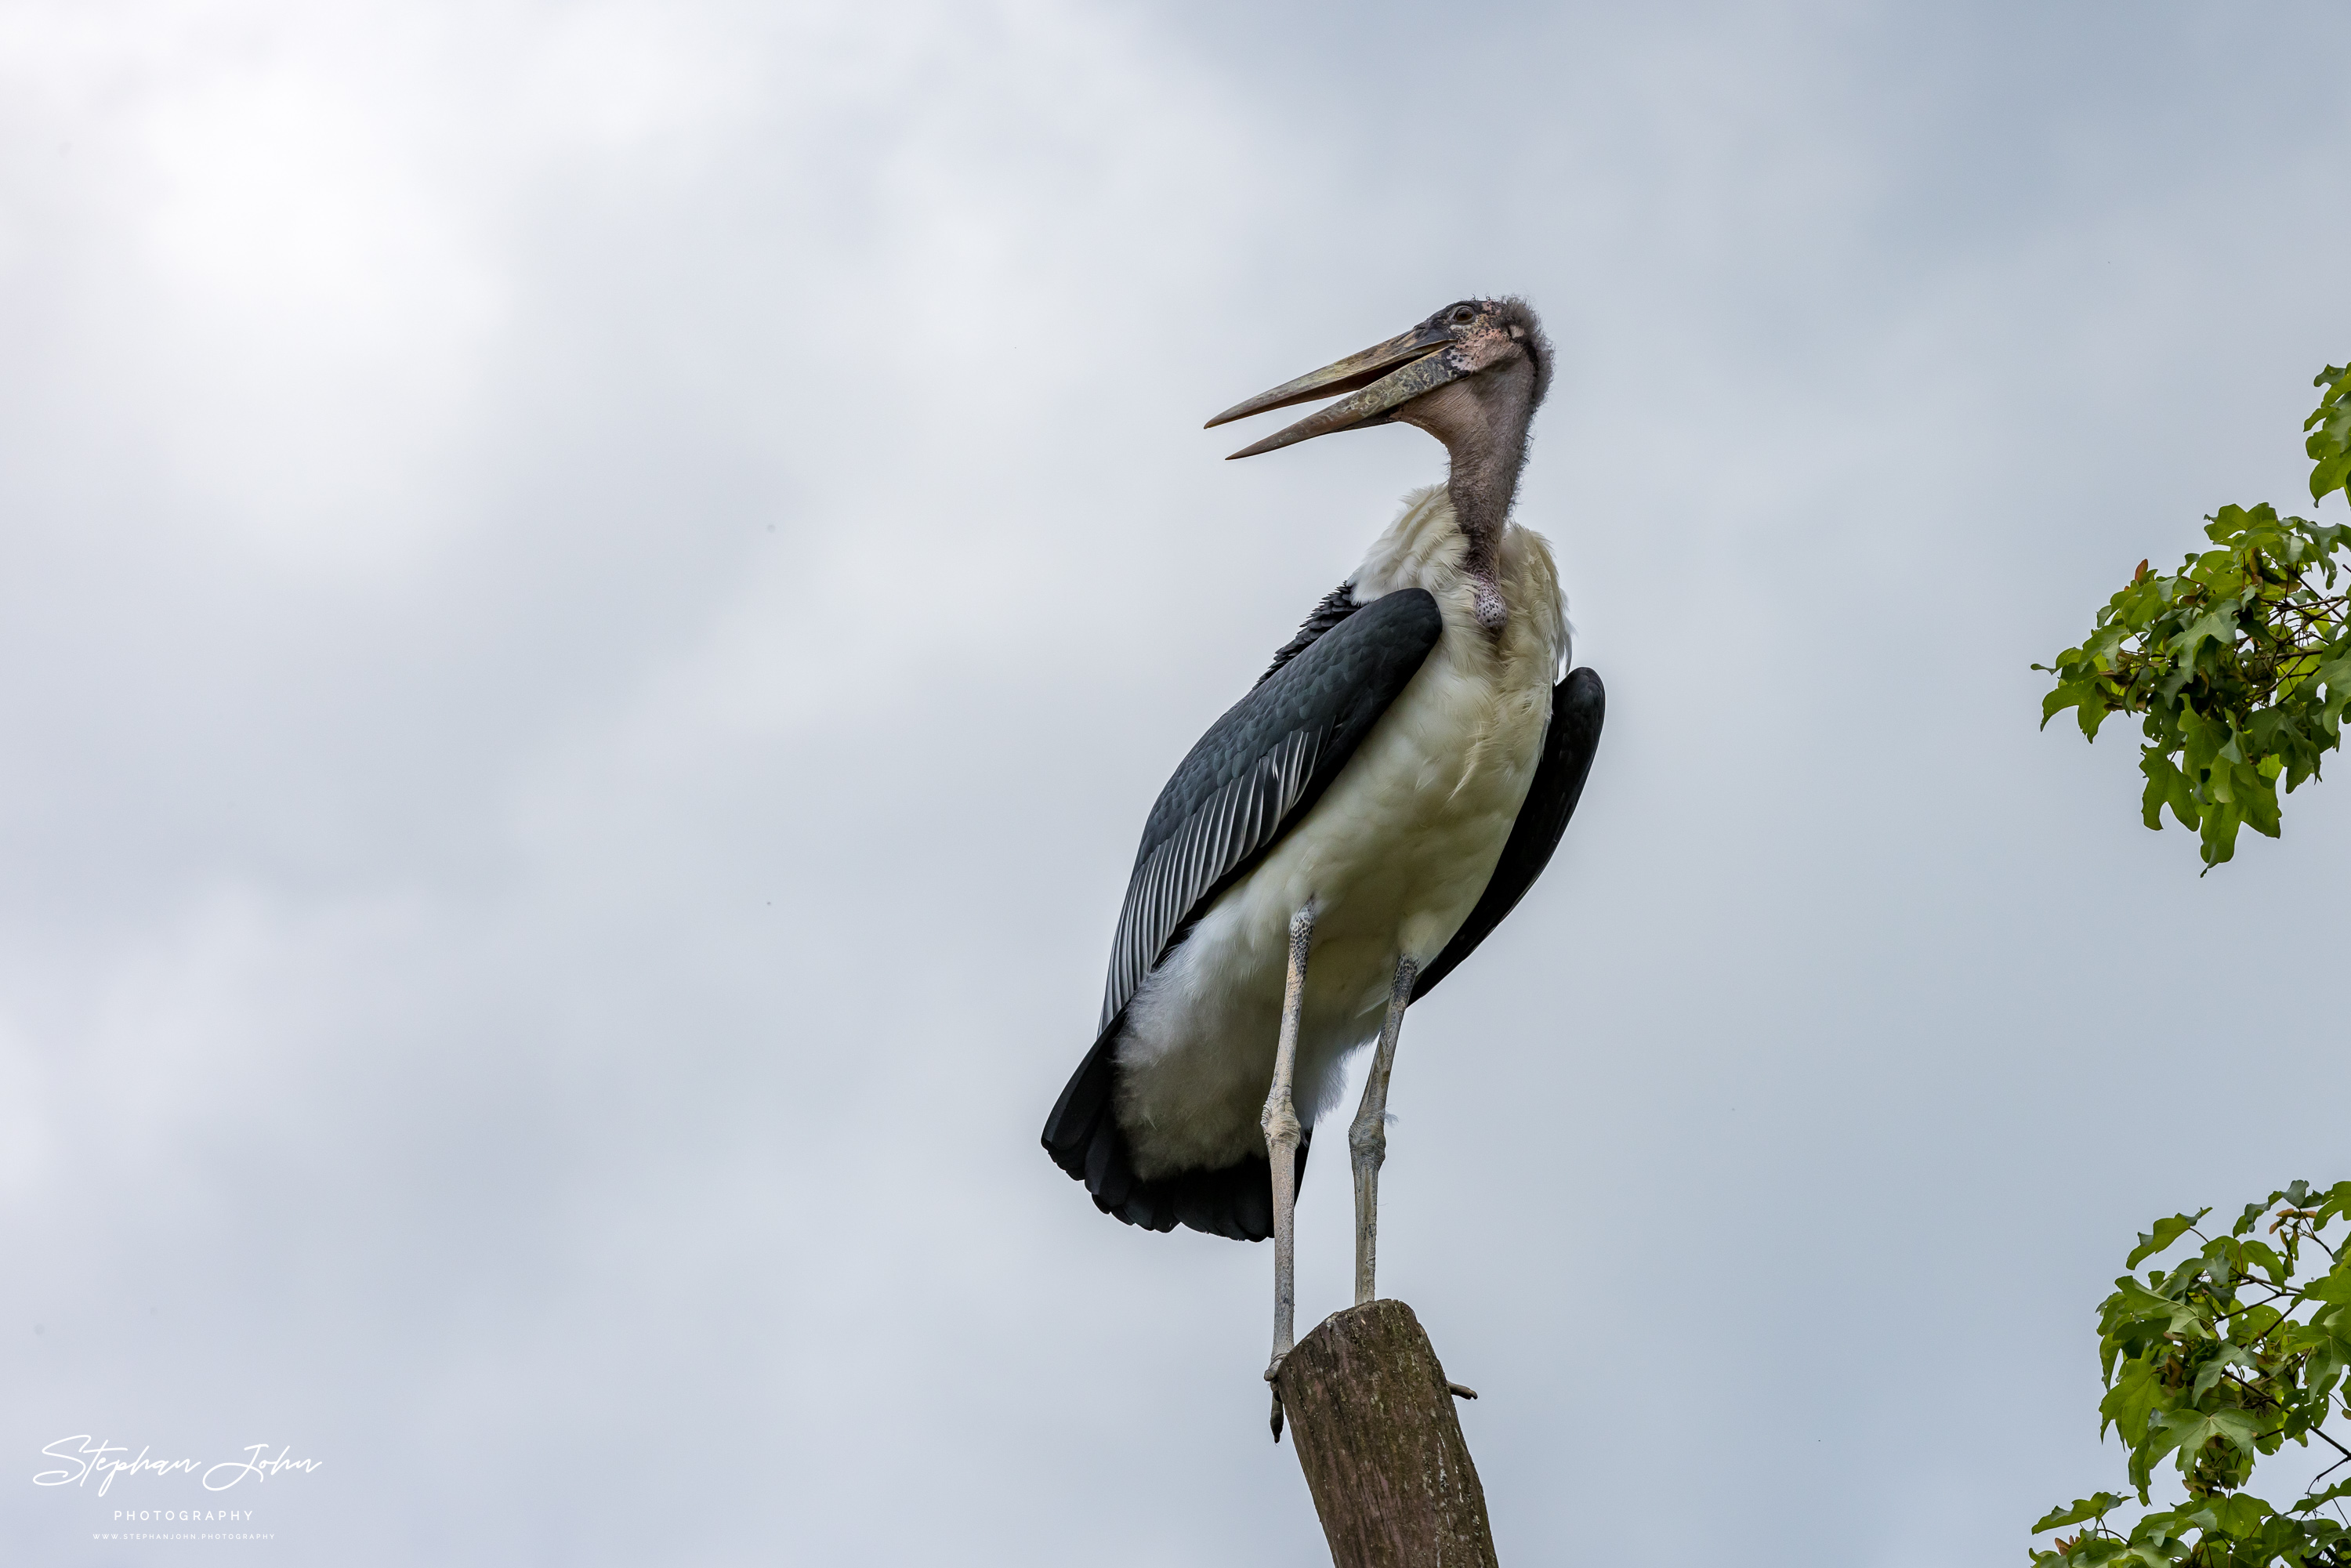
x=1084, y=1139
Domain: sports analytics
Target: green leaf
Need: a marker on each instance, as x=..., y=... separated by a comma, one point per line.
x=2320, y=1498
x=2165, y=1233
x=2131, y=1403
x=2191, y=1430
x=2238, y=664
x=2092, y=1507
x=2220, y=624
x=2214, y=1386
x=2329, y=446
x=2335, y=1288
x=2240, y=1515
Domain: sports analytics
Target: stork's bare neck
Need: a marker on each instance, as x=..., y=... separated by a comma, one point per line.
x=1483, y=424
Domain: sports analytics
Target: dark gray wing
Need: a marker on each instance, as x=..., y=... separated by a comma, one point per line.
x=1252, y=778
x=1577, y=705
x=1336, y=606
x=1258, y=769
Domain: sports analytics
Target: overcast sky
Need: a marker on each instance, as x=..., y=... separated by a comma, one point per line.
x=591, y=599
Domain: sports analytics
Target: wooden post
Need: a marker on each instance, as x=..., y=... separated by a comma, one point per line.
x=1371, y=1417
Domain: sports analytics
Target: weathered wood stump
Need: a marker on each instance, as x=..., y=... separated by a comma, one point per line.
x=1372, y=1418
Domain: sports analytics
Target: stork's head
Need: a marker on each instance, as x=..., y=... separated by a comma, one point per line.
x=1471, y=367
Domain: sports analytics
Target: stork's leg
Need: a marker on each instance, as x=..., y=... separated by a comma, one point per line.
x=1367, y=1140
x=1281, y=1135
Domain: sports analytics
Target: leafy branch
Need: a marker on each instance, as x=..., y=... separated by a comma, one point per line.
x=2239, y=662
x=2197, y=1373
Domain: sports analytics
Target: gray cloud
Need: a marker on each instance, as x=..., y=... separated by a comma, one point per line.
x=593, y=600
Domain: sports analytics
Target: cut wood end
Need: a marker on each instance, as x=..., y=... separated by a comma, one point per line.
x=1372, y=1420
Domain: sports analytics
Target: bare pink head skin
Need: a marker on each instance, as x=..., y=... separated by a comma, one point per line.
x=1472, y=375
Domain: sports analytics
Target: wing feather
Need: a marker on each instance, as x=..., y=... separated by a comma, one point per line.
x=1257, y=769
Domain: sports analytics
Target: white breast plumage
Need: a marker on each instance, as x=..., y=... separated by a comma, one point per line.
x=1394, y=855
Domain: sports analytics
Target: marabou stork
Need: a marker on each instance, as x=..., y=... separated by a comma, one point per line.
x=1351, y=830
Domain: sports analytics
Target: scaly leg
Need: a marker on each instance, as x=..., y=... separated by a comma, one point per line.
x=1281, y=1136
x=1367, y=1139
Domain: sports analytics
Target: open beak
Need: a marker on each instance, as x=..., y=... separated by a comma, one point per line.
x=1380, y=379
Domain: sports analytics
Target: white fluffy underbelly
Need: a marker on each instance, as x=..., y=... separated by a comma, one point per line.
x=1394, y=856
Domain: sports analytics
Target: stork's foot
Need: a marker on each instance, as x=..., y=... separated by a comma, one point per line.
x=1283, y=1137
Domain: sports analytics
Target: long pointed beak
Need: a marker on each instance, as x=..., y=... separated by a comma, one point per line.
x=1372, y=377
